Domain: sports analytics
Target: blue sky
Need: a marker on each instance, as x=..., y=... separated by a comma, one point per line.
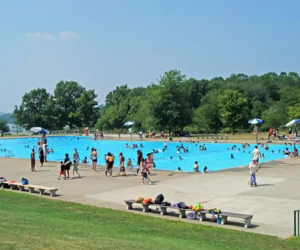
x=105, y=43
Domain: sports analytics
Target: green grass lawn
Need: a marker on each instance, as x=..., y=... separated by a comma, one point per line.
x=33, y=223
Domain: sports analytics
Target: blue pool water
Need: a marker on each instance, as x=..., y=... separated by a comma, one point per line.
x=216, y=157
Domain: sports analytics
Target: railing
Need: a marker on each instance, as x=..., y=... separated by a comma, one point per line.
x=9, y=154
x=297, y=223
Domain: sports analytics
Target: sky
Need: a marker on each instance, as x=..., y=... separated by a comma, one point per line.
x=103, y=44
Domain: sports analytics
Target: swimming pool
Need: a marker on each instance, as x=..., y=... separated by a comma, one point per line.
x=216, y=157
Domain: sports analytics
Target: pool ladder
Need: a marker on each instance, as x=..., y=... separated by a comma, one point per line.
x=9, y=154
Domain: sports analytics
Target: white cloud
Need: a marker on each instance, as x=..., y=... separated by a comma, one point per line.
x=68, y=35
x=42, y=36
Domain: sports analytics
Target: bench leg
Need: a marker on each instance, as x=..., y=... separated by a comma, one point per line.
x=31, y=189
x=129, y=205
x=145, y=208
x=52, y=193
x=202, y=216
x=224, y=220
x=21, y=188
x=163, y=210
x=182, y=214
x=42, y=191
x=247, y=223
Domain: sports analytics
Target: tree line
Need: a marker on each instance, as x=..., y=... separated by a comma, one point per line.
x=174, y=103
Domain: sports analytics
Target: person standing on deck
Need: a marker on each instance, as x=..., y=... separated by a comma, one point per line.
x=253, y=168
x=32, y=157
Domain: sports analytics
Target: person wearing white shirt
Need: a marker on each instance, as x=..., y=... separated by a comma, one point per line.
x=256, y=153
x=253, y=169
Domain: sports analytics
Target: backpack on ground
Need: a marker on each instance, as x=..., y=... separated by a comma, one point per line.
x=24, y=181
x=159, y=199
x=191, y=216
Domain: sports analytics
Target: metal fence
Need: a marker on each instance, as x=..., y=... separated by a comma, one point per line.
x=297, y=223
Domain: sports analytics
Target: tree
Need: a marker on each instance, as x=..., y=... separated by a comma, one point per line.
x=167, y=102
x=31, y=112
x=3, y=127
x=196, y=90
x=65, y=95
x=275, y=116
x=86, y=113
x=233, y=109
x=294, y=112
x=257, y=109
x=207, y=116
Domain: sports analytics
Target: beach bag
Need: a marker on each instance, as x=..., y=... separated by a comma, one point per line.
x=174, y=205
x=197, y=207
x=181, y=205
x=166, y=203
x=159, y=199
x=191, y=216
x=139, y=199
x=214, y=211
x=24, y=181
x=147, y=201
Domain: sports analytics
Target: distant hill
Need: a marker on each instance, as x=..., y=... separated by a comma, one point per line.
x=7, y=117
x=2, y=113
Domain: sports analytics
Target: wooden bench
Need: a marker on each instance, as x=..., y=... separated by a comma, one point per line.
x=42, y=189
x=14, y=185
x=224, y=217
x=144, y=206
x=182, y=211
x=163, y=209
x=31, y=188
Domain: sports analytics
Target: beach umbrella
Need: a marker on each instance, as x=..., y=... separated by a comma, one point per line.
x=39, y=130
x=292, y=122
x=255, y=122
x=129, y=123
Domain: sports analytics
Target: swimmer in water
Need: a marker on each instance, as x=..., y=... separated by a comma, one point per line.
x=231, y=156
x=180, y=158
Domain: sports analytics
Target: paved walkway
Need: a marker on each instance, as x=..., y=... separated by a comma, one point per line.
x=272, y=203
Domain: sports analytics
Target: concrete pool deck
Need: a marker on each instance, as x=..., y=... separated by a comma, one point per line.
x=272, y=203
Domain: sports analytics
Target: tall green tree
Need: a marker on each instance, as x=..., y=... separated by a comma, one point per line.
x=207, y=116
x=31, y=112
x=3, y=127
x=168, y=104
x=65, y=95
x=87, y=110
x=233, y=109
x=275, y=116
